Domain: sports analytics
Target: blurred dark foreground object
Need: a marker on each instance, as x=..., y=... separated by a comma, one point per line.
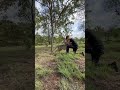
x=93, y=46
x=114, y=66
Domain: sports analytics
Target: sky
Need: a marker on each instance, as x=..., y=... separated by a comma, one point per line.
x=99, y=16
x=11, y=13
x=77, y=27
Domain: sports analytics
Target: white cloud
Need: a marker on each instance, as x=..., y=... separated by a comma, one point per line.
x=78, y=20
x=100, y=17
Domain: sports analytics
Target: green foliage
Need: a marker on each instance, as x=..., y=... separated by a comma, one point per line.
x=115, y=33
x=12, y=33
x=58, y=39
x=55, y=16
x=6, y=4
x=111, y=5
x=41, y=40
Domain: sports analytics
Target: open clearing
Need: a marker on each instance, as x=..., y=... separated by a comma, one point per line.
x=49, y=74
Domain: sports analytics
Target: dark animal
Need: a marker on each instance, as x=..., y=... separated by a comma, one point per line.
x=93, y=46
x=71, y=44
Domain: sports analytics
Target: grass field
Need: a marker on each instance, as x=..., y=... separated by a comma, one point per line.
x=59, y=71
x=103, y=77
x=16, y=68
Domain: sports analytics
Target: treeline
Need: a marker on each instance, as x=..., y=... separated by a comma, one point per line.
x=112, y=34
x=43, y=40
x=15, y=34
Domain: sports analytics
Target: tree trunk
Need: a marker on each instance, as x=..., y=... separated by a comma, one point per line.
x=48, y=35
x=51, y=21
x=33, y=20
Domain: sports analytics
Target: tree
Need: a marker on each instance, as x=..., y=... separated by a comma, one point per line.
x=26, y=12
x=112, y=5
x=58, y=13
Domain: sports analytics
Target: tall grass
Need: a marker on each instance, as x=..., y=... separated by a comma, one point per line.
x=94, y=75
x=68, y=68
x=64, y=84
x=41, y=72
x=101, y=72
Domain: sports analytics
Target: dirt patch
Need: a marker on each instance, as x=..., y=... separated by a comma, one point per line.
x=44, y=59
x=81, y=64
x=51, y=82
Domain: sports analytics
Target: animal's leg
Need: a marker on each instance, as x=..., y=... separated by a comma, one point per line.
x=74, y=49
x=67, y=49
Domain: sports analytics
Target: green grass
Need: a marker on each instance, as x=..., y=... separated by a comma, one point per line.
x=81, y=48
x=102, y=72
x=15, y=66
x=64, y=84
x=68, y=68
x=94, y=75
x=14, y=54
x=69, y=71
x=38, y=85
x=40, y=72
